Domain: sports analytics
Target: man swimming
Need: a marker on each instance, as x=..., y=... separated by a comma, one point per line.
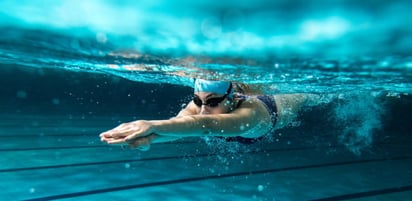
x=216, y=110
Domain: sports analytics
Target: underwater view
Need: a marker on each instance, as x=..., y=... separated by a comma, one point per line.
x=72, y=70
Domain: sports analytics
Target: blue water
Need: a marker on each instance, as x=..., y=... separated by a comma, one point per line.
x=72, y=69
x=328, y=46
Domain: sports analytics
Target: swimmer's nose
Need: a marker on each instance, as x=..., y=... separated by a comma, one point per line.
x=204, y=110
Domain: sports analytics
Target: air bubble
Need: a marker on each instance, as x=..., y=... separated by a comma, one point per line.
x=242, y=127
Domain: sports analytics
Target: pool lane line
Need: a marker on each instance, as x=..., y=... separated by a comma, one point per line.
x=83, y=147
x=142, y=159
x=73, y=147
x=159, y=158
x=363, y=194
x=52, y=148
x=193, y=179
x=80, y=147
x=83, y=164
x=96, y=135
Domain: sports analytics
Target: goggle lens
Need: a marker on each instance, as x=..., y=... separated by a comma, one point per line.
x=211, y=102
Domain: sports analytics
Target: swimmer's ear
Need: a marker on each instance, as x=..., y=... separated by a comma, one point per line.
x=239, y=87
x=247, y=88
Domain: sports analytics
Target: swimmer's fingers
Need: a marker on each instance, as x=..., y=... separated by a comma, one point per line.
x=118, y=135
x=108, y=137
x=105, y=138
x=116, y=141
x=120, y=131
x=115, y=134
x=130, y=130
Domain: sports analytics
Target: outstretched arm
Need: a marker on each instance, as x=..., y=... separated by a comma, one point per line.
x=144, y=142
x=250, y=120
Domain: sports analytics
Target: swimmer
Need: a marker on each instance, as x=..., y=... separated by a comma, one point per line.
x=218, y=108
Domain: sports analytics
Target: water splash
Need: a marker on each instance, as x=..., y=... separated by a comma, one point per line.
x=360, y=115
x=228, y=153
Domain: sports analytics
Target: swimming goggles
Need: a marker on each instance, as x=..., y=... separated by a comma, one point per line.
x=212, y=102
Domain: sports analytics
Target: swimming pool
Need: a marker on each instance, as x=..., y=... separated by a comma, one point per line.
x=66, y=77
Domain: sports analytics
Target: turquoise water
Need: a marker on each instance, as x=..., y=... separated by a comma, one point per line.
x=72, y=69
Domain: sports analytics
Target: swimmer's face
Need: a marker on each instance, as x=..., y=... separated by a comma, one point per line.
x=211, y=103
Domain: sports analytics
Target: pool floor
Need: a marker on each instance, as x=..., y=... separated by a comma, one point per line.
x=61, y=158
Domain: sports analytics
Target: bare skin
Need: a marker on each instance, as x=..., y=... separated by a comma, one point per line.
x=250, y=120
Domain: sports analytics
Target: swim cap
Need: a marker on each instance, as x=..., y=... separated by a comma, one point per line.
x=218, y=87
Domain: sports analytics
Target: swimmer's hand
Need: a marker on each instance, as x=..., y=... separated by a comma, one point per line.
x=132, y=133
